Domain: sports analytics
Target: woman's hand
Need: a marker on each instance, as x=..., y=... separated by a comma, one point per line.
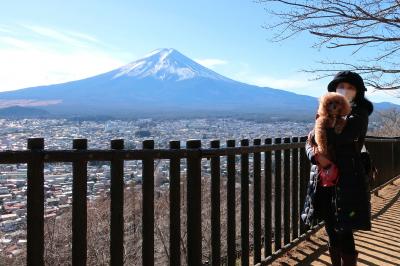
x=321, y=159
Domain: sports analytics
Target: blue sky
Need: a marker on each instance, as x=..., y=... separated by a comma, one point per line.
x=45, y=42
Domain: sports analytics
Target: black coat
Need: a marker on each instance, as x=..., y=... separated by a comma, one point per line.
x=351, y=197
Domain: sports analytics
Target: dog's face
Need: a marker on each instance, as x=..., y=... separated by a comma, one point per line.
x=333, y=103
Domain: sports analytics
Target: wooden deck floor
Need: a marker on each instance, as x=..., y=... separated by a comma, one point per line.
x=378, y=247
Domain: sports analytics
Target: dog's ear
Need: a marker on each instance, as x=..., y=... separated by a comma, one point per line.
x=323, y=105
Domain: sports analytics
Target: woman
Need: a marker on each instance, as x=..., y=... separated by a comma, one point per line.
x=346, y=206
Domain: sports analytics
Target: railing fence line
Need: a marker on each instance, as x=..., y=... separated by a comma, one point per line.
x=285, y=175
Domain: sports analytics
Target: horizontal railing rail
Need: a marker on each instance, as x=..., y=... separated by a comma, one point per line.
x=24, y=156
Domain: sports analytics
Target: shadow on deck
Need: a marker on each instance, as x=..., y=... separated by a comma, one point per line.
x=377, y=247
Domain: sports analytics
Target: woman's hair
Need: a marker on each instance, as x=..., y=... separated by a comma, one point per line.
x=360, y=96
x=357, y=81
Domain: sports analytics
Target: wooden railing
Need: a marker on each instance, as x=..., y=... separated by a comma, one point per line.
x=285, y=173
x=385, y=154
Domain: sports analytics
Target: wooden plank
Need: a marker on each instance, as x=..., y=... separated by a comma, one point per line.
x=194, y=204
x=117, y=207
x=79, y=206
x=175, y=207
x=35, y=204
x=244, y=204
x=257, y=203
x=148, y=206
x=215, y=208
x=231, y=206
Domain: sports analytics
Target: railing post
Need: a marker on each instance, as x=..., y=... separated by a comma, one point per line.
x=117, y=207
x=244, y=204
x=393, y=166
x=257, y=203
x=295, y=193
x=278, y=197
x=231, y=206
x=397, y=156
x=215, y=207
x=35, y=204
x=148, y=206
x=194, y=203
x=267, y=200
x=175, y=207
x=286, y=202
x=79, y=206
x=378, y=161
x=387, y=167
x=373, y=151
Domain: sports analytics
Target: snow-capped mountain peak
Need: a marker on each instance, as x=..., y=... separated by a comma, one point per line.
x=166, y=64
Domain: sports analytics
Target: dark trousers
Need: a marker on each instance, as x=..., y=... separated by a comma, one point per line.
x=341, y=239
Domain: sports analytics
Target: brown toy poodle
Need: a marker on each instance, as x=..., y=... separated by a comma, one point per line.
x=332, y=107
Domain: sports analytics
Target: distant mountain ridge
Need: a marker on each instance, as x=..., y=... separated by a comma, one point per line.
x=164, y=83
x=22, y=112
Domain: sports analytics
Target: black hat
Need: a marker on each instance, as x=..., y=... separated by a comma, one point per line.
x=347, y=76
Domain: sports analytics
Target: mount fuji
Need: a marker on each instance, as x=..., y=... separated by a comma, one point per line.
x=162, y=83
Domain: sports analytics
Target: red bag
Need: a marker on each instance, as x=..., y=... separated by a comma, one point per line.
x=328, y=177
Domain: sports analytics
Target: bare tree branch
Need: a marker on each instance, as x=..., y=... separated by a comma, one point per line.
x=361, y=25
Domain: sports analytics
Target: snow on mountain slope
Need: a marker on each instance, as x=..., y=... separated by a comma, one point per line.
x=167, y=64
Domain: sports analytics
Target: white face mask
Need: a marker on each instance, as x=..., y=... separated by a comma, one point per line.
x=349, y=94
